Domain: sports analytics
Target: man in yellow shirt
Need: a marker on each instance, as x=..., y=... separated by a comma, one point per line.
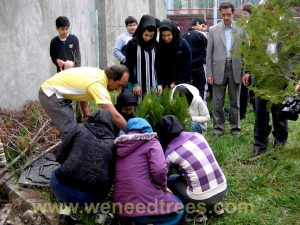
x=81, y=84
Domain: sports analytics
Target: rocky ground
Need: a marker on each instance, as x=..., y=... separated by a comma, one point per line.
x=25, y=134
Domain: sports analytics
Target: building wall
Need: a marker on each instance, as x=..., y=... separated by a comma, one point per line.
x=27, y=28
x=116, y=11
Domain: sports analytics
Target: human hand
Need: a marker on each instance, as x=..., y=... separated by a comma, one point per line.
x=68, y=64
x=297, y=88
x=210, y=80
x=159, y=89
x=245, y=79
x=137, y=90
x=60, y=63
x=172, y=85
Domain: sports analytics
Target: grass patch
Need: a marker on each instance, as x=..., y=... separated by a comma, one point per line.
x=266, y=191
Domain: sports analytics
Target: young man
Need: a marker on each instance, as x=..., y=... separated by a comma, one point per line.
x=81, y=84
x=224, y=69
x=197, y=42
x=121, y=42
x=64, y=48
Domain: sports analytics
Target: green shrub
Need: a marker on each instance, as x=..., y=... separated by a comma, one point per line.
x=152, y=107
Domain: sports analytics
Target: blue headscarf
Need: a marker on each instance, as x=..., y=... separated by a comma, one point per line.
x=138, y=124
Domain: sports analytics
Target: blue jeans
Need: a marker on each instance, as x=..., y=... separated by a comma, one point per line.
x=68, y=194
x=198, y=127
x=167, y=219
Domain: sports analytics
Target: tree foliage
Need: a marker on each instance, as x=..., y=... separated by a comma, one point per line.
x=152, y=107
x=272, y=23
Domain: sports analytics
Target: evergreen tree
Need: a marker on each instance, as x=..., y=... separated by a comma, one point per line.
x=275, y=72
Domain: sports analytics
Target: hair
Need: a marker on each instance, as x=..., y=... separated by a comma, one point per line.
x=115, y=72
x=198, y=20
x=130, y=19
x=226, y=5
x=62, y=21
x=150, y=28
x=248, y=7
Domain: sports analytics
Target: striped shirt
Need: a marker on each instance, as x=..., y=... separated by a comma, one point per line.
x=191, y=154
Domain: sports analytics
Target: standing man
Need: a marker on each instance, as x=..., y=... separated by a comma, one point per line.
x=64, y=48
x=197, y=42
x=224, y=69
x=121, y=42
x=81, y=84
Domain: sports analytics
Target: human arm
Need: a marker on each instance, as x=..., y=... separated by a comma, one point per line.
x=185, y=73
x=157, y=165
x=200, y=107
x=246, y=79
x=118, y=119
x=131, y=65
x=76, y=53
x=84, y=106
x=297, y=88
x=209, y=58
x=117, y=51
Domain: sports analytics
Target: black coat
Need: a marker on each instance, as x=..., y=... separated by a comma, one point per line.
x=86, y=155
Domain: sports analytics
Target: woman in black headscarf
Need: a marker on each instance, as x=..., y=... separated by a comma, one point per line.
x=174, y=57
x=140, y=56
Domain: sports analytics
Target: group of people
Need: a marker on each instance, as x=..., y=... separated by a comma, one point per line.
x=156, y=170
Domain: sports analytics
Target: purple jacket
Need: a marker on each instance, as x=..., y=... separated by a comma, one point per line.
x=141, y=177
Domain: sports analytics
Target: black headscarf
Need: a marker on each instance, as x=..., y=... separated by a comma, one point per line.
x=168, y=127
x=174, y=46
x=145, y=22
x=183, y=90
x=125, y=98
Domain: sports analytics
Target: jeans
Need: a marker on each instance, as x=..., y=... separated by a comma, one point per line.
x=68, y=194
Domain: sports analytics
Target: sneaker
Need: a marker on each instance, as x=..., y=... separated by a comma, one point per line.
x=66, y=220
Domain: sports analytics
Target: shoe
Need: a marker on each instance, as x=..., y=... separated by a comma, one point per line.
x=66, y=220
x=235, y=132
x=258, y=151
x=217, y=133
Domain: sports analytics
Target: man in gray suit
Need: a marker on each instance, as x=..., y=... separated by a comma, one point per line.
x=223, y=69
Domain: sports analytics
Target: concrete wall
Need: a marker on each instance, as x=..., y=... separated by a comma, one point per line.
x=27, y=27
x=116, y=12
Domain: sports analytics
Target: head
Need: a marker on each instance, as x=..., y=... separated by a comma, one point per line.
x=247, y=10
x=227, y=12
x=138, y=124
x=131, y=24
x=147, y=29
x=117, y=76
x=168, y=127
x=199, y=24
x=126, y=103
x=62, y=25
x=183, y=91
x=149, y=33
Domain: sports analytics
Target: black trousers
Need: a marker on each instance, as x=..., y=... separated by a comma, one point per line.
x=262, y=128
x=199, y=80
x=243, y=101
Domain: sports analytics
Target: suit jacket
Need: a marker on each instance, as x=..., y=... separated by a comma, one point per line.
x=216, y=53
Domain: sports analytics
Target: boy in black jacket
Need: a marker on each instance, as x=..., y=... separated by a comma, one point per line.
x=64, y=48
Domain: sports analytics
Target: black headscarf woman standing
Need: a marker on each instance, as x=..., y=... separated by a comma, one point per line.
x=140, y=56
x=174, y=57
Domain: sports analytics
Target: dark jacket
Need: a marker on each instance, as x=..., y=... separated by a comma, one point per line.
x=65, y=50
x=198, y=44
x=86, y=155
x=147, y=57
x=174, y=59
